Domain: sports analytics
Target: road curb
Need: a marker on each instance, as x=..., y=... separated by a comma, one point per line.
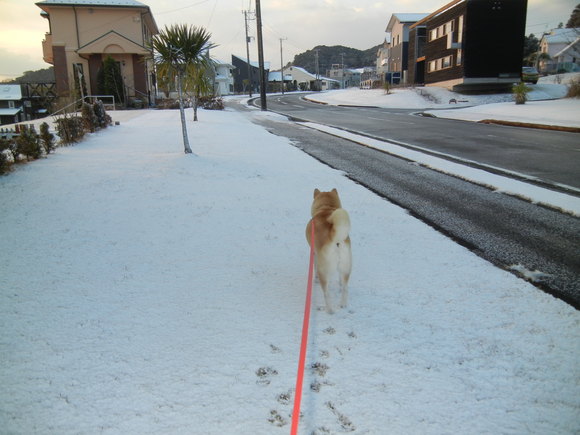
x=531, y=125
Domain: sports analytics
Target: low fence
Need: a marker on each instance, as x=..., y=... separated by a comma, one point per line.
x=11, y=132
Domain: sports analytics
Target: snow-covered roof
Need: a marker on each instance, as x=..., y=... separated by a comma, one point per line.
x=573, y=48
x=254, y=64
x=410, y=18
x=10, y=112
x=562, y=36
x=304, y=71
x=274, y=76
x=219, y=62
x=10, y=92
x=404, y=18
x=128, y=3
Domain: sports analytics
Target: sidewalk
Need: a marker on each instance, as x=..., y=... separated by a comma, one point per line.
x=145, y=291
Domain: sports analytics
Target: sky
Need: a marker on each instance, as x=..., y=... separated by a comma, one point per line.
x=301, y=24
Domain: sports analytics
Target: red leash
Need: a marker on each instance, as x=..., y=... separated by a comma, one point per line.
x=303, y=346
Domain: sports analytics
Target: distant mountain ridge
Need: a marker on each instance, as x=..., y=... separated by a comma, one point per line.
x=45, y=75
x=328, y=56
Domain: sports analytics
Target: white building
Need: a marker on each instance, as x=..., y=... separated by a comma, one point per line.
x=305, y=81
x=224, y=78
x=563, y=47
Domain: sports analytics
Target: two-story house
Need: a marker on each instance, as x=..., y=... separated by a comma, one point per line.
x=223, y=78
x=563, y=49
x=11, y=104
x=383, y=60
x=398, y=49
x=82, y=33
x=469, y=45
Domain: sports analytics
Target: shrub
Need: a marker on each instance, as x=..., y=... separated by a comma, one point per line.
x=28, y=143
x=103, y=120
x=387, y=88
x=520, y=92
x=211, y=103
x=70, y=129
x=47, y=138
x=6, y=156
x=110, y=80
x=574, y=89
x=90, y=121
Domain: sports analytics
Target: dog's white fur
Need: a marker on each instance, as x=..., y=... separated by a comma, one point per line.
x=331, y=243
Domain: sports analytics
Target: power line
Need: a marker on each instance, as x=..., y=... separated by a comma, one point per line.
x=184, y=7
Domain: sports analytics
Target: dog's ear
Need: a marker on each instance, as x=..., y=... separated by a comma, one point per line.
x=335, y=191
x=316, y=192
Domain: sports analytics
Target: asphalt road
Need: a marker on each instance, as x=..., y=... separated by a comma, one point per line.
x=545, y=157
x=504, y=230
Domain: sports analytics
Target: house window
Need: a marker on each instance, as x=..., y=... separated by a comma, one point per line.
x=459, y=57
x=446, y=62
x=441, y=31
x=439, y=64
x=11, y=105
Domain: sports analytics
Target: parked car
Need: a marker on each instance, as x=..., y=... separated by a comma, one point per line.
x=530, y=75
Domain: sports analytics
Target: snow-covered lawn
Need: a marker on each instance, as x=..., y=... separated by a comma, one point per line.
x=144, y=291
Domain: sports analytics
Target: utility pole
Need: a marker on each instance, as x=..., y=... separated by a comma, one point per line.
x=248, y=38
x=261, y=57
x=342, y=74
x=318, y=87
x=282, y=65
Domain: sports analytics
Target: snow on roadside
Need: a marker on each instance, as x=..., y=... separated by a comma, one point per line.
x=472, y=107
x=564, y=112
x=145, y=291
x=501, y=184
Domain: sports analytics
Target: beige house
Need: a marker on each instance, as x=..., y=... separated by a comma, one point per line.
x=395, y=65
x=82, y=33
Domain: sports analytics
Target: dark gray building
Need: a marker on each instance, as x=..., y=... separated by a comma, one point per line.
x=469, y=45
x=245, y=77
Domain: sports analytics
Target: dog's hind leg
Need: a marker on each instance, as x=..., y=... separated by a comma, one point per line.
x=344, y=268
x=344, y=290
x=324, y=285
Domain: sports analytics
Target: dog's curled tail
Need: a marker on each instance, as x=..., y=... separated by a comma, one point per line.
x=340, y=225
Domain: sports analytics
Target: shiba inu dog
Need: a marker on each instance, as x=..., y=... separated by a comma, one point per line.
x=331, y=243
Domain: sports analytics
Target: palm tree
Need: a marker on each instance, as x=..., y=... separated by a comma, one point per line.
x=199, y=83
x=178, y=50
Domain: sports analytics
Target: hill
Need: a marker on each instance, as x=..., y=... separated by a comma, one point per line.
x=45, y=75
x=327, y=56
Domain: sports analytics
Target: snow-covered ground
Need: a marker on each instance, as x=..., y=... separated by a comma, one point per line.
x=559, y=111
x=144, y=291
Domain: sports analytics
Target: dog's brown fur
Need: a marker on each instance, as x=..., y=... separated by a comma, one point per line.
x=331, y=242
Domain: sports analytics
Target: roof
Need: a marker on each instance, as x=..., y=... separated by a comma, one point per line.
x=252, y=63
x=10, y=92
x=45, y=6
x=404, y=18
x=437, y=12
x=112, y=42
x=573, y=48
x=274, y=76
x=125, y=3
x=410, y=18
x=562, y=36
x=308, y=73
x=10, y=112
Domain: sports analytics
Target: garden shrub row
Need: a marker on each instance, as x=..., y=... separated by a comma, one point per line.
x=31, y=145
